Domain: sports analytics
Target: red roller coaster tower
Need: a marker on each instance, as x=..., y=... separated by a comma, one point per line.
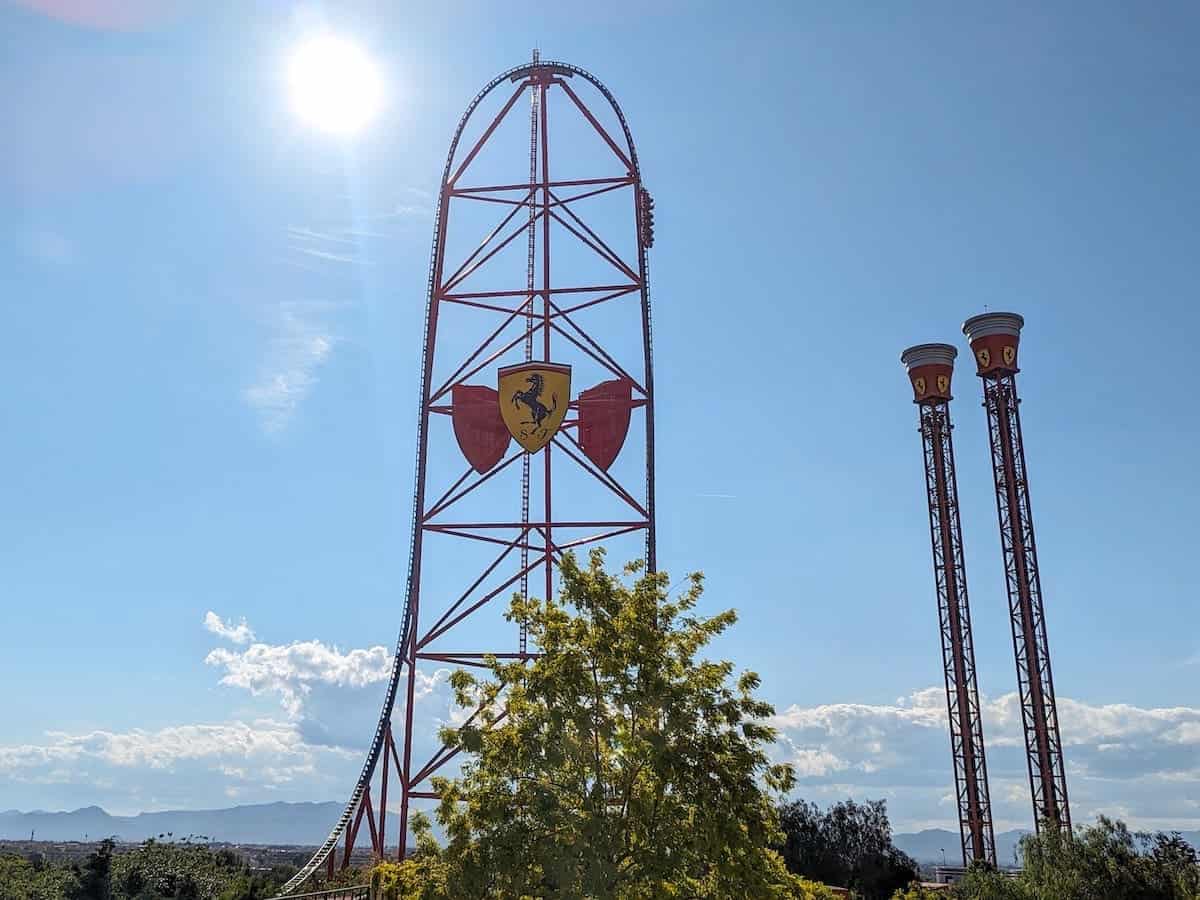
x=930, y=369
x=994, y=339
x=516, y=465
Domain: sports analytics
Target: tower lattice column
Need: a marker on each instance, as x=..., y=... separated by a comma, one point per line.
x=930, y=367
x=994, y=339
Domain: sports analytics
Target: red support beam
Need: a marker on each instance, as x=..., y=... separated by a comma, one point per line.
x=555, y=333
x=994, y=339
x=930, y=367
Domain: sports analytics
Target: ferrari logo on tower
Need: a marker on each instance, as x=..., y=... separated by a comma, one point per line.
x=533, y=401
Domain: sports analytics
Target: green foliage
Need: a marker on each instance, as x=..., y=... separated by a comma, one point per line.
x=95, y=880
x=153, y=871
x=184, y=871
x=1108, y=862
x=422, y=877
x=1105, y=861
x=917, y=892
x=626, y=766
x=982, y=882
x=24, y=879
x=849, y=845
x=803, y=889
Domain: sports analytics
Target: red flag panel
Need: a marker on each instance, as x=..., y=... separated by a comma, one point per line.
x=478, y=426
x=604, y=420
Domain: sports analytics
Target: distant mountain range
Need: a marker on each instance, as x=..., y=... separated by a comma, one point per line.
x=305, y=824
x=308, y=824
x=927, y=846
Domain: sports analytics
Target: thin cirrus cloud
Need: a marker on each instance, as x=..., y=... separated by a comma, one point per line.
x=296, y=350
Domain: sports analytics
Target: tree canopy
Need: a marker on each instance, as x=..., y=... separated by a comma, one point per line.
x=1104, y=861
x=620, y=763
x=849, y=845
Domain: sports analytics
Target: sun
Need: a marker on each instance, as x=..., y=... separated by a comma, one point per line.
x=335, y=86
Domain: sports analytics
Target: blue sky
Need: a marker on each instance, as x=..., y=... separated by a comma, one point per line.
x=200, y=414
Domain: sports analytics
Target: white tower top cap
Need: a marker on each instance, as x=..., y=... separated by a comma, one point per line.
x=929, y=355
x=990, y=323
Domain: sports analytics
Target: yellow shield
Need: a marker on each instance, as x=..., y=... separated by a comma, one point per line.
x=533, y=401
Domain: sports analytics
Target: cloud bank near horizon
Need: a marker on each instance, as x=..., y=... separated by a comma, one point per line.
x=320, y=704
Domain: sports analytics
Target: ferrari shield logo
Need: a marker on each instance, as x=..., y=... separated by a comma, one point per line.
x=533, y=401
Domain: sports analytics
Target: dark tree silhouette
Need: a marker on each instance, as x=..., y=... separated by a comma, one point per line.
x=849, y=845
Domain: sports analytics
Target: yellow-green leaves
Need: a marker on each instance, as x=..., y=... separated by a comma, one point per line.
x=625, y=765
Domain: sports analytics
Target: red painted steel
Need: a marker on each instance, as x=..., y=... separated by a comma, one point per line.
x=480, y=430
x=535, y=316
x=931, y=388
x=994, y=339
x=604, y=413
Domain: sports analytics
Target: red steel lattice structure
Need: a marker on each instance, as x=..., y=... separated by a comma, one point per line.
x=529, y=315
x=930, y=369
x=994, y=339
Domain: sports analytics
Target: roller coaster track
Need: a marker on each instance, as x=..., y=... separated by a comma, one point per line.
x=523, y=73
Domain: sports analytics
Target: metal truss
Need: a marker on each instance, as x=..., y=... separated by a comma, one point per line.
x=541, y=311
x=1035, y=684
x=958, y=649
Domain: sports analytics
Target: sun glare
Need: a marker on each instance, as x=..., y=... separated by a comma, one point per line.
x=335, y=86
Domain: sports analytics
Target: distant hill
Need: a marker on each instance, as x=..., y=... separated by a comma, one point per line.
x=308, y=824
x=305, y=824
x=926, y=846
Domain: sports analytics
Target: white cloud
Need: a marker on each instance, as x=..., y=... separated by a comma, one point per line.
x=1144, y=760
x=297, y=349
x=159, y=749
x=238, y=634
x=290, y=671
x=330, y=701
x=321, y=704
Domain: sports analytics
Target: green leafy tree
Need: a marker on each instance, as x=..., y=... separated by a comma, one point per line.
x=95, y=881
x=624, y=765
x=982, y=882
x=1104, y=861
x=849, y=845
x=28, y=879
x=1107, y=861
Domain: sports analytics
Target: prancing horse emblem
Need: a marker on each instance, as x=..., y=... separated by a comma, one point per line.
x=533, y=401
